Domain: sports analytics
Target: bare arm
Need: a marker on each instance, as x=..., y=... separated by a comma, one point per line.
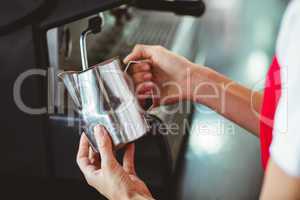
x=232, y=100
x=178, y=79
x=279, y=185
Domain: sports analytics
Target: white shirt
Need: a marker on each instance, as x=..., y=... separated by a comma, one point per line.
x=285, y=147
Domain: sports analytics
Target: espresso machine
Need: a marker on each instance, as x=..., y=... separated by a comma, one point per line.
x=40, y=134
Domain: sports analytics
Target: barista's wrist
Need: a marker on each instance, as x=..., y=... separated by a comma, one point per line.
x=186, y=80
x=195, y=79
x=203, y=82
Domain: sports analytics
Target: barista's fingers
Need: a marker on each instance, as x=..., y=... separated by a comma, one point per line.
x=83, y=160
x=145, y=95
x=142, y=97
x=140, y=52
x=83, y=151
x=149, y=95
x=140, y=67
x=145, y=87
x=94, y=158
x=90, y=154
x=128, y=159
x=141, y=77
x=105, y=147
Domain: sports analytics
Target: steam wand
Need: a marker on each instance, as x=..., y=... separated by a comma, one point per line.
x=95, y=26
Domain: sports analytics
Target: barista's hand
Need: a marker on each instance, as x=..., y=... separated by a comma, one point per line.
x=163, y=72
x=105, y=174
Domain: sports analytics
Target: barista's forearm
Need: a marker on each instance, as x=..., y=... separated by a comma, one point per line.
x=232, y=100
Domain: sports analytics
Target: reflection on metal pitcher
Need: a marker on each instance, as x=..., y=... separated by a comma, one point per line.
x=102, y=96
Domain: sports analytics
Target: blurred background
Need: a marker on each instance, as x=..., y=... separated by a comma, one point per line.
x=208, y=157
x=236, y=38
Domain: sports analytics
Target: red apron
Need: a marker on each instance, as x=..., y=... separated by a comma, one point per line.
x=272, y=94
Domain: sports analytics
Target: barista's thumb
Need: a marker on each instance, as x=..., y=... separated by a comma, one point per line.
x=105, y=146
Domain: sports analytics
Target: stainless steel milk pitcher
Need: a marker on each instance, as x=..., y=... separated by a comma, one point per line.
x=102, y=96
